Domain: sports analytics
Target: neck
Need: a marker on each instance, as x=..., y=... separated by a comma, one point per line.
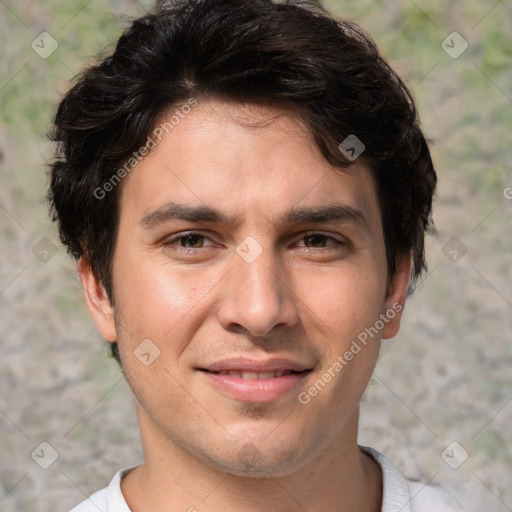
x=341, y=477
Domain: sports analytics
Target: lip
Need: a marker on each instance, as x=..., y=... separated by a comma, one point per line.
x=254, y=365
x=255, y=390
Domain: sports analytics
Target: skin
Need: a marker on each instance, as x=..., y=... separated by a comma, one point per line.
x=301, y=298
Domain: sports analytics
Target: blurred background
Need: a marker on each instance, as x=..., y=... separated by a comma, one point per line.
x=439, y=405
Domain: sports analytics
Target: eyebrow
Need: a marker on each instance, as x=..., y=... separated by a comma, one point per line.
x=334, y=212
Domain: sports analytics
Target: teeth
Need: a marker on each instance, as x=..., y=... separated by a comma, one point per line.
x=263, y=375
x=254, y=375
x=250, y=375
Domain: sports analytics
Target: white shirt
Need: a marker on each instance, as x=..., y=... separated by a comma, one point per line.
x=399, y=494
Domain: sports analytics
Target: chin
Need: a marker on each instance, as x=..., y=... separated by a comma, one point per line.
x=257, y=460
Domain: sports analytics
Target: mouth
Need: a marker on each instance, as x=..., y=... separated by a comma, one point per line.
x=255, y=381
x=251, y=375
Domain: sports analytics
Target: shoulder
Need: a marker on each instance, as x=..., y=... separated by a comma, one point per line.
x=425, y=498
x=402, y=494
x=110, y=499
x=94, y=503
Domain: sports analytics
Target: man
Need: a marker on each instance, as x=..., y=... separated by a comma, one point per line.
x=246, y=189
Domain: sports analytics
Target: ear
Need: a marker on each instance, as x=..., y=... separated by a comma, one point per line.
x=395, y=301
x=97, y=300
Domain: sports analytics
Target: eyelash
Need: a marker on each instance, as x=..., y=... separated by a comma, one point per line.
x=171, y=241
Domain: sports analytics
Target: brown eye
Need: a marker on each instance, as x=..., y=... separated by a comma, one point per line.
x=320, y=241
x=187, y=242
x=316, y=240
x=193, y=240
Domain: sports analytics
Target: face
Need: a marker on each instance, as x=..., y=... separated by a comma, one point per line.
x=246, y=272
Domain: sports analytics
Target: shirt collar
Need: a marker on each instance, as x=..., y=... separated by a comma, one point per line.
x=395, y=491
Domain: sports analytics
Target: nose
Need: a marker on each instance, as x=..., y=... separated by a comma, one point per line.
x=256, y=296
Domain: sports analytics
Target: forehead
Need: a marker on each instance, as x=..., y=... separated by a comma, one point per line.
x=245, y=161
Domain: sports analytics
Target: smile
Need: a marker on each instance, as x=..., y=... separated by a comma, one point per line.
x=248, y=375
x=250, y=386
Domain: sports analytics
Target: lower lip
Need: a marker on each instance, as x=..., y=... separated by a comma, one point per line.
x=255, y=390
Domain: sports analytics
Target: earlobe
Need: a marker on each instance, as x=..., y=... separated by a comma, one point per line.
x=97, y=300
x=395, y=301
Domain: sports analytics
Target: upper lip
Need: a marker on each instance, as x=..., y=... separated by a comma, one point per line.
x=253, y=365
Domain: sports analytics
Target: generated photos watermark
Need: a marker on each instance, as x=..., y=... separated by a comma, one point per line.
x=152, y=141
x=342, y=360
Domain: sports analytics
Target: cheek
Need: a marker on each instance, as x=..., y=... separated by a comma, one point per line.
x=345, y=300
x=348, y=304
x=155, y=301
